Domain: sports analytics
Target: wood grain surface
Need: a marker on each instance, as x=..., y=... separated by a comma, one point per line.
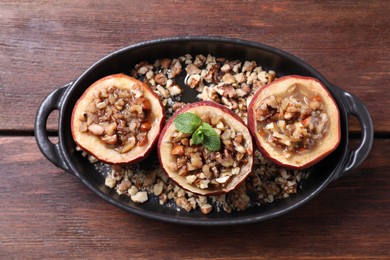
x=48, y=213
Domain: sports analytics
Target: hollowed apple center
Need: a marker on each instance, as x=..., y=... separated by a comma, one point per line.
x=118, y=116
x=293, y=123
x=206, y=169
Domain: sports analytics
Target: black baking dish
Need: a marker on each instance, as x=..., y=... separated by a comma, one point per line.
x=65, y=156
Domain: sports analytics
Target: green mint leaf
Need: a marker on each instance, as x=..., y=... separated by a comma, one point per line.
x=211, y=139
x=187, y=122
x=198, y=136
x=208, y=129
x=202, y=132
x=213, y=143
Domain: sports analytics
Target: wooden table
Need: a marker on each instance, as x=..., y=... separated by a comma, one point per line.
x=47, y=213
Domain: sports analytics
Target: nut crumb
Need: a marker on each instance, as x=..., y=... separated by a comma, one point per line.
x=140, y=197
x=206, y=209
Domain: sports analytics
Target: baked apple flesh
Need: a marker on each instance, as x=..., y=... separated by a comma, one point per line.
x=117, y=120
x=295, y=121
x=197, y=169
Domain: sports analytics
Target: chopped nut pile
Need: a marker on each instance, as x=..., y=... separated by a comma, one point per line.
x=207, y=169
x=118, y=117
x=231, y=83
x=292, y=123
x=160, y=77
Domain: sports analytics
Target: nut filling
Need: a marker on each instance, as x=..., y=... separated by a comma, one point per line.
x=118, y=117
x=294, y=123
x=206, y=169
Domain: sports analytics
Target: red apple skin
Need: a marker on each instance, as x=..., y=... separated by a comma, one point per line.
x=151, y=145
x=170, y=122
x=252, y=124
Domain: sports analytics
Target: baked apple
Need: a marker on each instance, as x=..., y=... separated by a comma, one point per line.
x=206, y=149
x=117, y=120
x=295, y=121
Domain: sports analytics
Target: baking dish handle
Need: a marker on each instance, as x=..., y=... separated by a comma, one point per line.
x=356, y=108
x=50, y=150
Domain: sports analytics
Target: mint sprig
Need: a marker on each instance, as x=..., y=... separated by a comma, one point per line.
x=202, y=132
x=187, y=122
x=198, y=135
x=211, y=139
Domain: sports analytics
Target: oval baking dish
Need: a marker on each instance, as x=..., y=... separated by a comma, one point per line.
x=65, y=156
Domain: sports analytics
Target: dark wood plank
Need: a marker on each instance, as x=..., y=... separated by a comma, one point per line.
x=44, y=46
x=48, y=213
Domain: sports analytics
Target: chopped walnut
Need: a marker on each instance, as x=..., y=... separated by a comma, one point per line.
x=140, y=197
x=175, y=68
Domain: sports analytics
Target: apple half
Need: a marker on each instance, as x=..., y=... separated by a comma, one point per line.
x=295, y=121
x=206, y=109
x=109, y=112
